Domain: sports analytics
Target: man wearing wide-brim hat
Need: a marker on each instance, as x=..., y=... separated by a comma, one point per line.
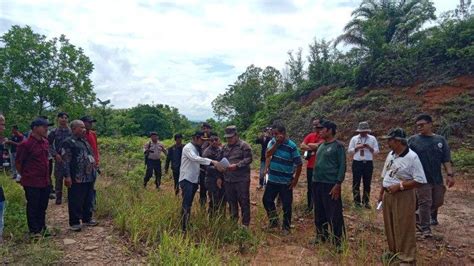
x=363, y=146
x=401, y=174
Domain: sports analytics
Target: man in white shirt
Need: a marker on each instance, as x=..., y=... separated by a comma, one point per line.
x=402, y=173
x=189, y=174
x=363, y=146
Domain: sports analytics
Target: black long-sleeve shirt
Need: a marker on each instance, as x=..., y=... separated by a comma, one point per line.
x=174, y=157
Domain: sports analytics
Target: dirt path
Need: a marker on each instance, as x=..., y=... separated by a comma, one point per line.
x=453, y=245
x=98, y=245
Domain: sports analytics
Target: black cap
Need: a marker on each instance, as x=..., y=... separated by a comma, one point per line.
x=206, y=125
x=230, y=131
x=88, y=118
x=153, y=133
x=38, y=122
x=198, y=133
x=395, y=133
x=61, y=114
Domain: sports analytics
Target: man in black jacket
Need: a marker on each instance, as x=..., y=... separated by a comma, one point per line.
x=174, y=157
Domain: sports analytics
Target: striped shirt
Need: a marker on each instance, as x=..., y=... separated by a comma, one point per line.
x=283, y=162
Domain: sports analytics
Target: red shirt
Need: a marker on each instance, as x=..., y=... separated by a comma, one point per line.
x=32, y=155
x=312, y=138
x=91, y=137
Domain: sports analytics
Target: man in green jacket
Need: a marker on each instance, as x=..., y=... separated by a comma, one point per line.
x=328, y=176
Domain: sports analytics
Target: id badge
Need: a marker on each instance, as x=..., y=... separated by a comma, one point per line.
x=91, y=158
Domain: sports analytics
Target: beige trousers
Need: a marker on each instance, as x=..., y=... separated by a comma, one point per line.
x=399, y=220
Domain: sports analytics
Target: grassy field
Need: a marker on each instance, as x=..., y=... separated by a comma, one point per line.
x=149, y=222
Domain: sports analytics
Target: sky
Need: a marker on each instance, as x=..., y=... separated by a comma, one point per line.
x=184, y=52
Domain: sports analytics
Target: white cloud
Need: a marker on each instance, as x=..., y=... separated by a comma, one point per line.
x=182, y=53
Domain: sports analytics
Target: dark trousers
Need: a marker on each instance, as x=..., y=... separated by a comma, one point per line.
x=176, y=180
x=153, y=166
x=361, y=170
x=309, y=192
x=50, y=165
x=80, y=196
x=216, y=197
x=327, y=214
x=36, y=205
x=59, y=179
x=272, y=190
x=188, y=191
x=238, y=195
x=202, y=189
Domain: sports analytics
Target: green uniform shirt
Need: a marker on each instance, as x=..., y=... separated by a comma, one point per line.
x=330, y=164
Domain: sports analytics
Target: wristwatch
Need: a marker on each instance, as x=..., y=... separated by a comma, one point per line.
x=401, y=186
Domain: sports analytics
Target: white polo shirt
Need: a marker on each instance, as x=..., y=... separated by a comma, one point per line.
x=358, y=139
x=403, y=167
x=190, y=162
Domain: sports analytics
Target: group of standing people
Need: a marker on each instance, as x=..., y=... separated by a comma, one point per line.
x=412, y=180
x=71, y=150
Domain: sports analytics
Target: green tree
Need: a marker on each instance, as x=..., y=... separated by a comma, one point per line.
x=378, y=22
x=246, y=96
x=39, y=76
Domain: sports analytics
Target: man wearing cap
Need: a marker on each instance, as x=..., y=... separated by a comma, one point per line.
x=363, y=146
x=401, y=173
x=283, y=174
x=214, y=178
x=434, y=153
x=2, y=195
x=174, y=157
x=263, y=140
x=91, y=137
x=56, y=138
x=33, y=165
x=237, y=175
x=310, y=145
x=80, y=173
x=189, y=175
x=329, y=173
x=152, y=151
x=206, y=129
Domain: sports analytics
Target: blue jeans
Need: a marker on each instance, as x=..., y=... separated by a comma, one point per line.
x=2, y=211
x=261, y=179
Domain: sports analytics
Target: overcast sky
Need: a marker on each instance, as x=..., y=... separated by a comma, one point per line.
x=184, y=52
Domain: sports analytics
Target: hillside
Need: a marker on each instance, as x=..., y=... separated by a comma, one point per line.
x=451, y=103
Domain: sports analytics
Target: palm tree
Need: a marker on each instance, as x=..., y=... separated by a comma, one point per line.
x=376, y=22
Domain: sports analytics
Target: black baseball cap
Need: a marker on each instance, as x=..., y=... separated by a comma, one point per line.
x=198, y=133
x=206, y=125
x=88, y=118
x=395, y=133
x=38, y=122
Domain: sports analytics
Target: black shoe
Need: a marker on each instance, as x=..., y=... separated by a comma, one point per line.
x=367, y=206
x=434, y=221
x=75, y=228
x=91, y=223
x=58, y=201
x=52, y=196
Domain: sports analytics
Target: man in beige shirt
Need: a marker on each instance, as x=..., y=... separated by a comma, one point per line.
x=152, y=151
